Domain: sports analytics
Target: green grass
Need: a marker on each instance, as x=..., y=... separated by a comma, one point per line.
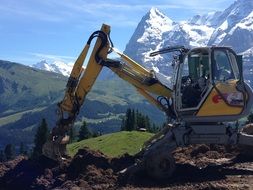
x=114, y=144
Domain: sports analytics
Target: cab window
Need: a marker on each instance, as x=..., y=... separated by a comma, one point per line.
x=234, y=65
x=194, y=78
x=222, y=69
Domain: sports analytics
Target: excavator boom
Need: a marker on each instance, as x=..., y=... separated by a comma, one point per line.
x=81, y=81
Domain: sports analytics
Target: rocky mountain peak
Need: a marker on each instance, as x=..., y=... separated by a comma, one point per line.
x=156, y=15
x=148, y=34
x=235, y=13
x=157, y=21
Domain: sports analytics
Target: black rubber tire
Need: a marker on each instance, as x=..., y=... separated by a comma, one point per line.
x=248, y=129
x=246, y=150
x=160, y=165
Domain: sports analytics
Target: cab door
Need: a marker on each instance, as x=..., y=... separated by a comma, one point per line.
x=225, y=100
x=193, y=80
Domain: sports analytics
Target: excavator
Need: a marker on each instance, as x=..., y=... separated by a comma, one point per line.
x=206, y=99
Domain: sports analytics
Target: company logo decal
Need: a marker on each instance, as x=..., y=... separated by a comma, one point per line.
x=233, y=98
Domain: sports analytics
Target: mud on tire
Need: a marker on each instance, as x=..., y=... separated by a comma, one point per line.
x=246, y=150
x=160, y=166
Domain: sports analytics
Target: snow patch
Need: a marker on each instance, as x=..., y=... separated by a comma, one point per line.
x=199, y=35
x=224, y=25
x=57, y=67
x=246, y=23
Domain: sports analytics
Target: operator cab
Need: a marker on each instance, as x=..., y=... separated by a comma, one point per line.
x=209, y=86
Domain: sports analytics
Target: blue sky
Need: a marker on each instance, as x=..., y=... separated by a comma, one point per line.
x=32, y=30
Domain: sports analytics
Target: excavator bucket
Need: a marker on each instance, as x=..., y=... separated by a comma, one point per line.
x=51, y=150
x=56, y=149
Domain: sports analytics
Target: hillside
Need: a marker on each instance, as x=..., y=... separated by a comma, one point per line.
x=115, y=144
x=23, y=88
x=27, y=95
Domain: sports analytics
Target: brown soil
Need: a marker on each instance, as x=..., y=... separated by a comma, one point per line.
x=198, y=167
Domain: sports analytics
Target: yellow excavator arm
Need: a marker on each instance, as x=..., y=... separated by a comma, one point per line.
x=81, y=81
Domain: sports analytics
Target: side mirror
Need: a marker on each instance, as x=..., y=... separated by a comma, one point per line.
x=239, y=64
x=181, y=58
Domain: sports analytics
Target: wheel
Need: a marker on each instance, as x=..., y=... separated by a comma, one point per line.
x=247, y=150
x=160, y=165
x=248, y=129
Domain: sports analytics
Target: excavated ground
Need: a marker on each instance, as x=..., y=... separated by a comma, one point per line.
x=198, y=167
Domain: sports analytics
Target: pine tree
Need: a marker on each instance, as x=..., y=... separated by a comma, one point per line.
x=132, y=121
x=9, y=151
x=40, y=138
x=138, y=120
x=147, y=123
x=84, y=132
x=128, y=120
x=154, y=129
x=142, y=123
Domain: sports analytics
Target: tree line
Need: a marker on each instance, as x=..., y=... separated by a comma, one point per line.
x=135, y=120
x=40, y=138
x=9, y=152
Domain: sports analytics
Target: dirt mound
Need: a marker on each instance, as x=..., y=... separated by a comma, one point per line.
x=85, y=158
x=198, y=167
x=5, y=167
x=203, y=155
x=22, y=173
x=87, y=170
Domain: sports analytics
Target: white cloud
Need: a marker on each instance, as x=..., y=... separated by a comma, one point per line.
x=113, y=11
x=54, y=57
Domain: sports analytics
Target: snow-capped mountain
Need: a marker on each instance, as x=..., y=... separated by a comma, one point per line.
x=156, y=31
x=56, y=66
x=231, y=27
x=148, y=37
